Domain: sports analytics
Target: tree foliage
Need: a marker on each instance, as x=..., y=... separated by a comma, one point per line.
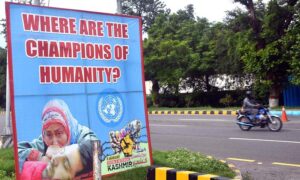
x=171, y=50
x=42, y=2
x=264, y=50
x=147, y=9
x=2, y=77
x=209, y=51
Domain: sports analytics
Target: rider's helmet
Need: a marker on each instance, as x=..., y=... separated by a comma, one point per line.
x=249, y=94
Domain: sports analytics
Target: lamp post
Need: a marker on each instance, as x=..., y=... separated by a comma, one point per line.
x=7, y=127
x=6, y=136
x=36, y=2
x=119, y=7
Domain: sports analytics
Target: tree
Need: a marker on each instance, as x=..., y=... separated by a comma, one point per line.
x=147, y=9
x=3, y=64
x=203, y=66
x=263, y=53
x=168, y=50
x=294, y=54
x=2, y=77
x=165, y=59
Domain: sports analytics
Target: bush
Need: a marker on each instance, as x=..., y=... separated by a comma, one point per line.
x=227, y=100
x=149, y=101
x=213, y=99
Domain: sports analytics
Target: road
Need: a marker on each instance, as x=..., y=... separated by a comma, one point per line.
x=259, y=153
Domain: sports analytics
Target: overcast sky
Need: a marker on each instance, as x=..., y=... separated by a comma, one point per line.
x=213, y=10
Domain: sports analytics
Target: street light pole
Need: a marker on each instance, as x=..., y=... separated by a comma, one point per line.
x=36, y=2
x=6, y=136
x=119, y=7
x=7, y=127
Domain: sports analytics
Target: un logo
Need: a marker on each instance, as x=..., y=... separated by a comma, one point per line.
x=110, y=108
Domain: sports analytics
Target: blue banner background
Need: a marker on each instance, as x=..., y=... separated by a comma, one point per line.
x=82, y=98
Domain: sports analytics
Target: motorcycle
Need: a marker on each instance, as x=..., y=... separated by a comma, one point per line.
x=263, y=118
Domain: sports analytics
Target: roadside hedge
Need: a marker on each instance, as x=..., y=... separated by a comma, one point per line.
x=200, y=99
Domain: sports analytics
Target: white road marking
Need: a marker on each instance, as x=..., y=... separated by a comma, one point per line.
x=163, y=125
x=265, y=140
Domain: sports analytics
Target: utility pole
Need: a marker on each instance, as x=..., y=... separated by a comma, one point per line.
x=36, y=2
x=7, y=127
x=6, y=140
x=6, y=135
x=119, y=7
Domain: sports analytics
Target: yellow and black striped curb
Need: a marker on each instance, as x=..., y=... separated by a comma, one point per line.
x=166, y=173
x=196, y=112
x=238, y=174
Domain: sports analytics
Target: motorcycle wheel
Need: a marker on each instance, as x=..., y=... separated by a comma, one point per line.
x=244, y=120
x=276, y=125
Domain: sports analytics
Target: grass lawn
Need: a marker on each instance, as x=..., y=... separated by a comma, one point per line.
x=181, y=159
x=7, y=164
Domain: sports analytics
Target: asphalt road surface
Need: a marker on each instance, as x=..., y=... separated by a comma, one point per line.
x=259, y=153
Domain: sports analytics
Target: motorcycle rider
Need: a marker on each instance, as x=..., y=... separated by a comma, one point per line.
x=250, y=106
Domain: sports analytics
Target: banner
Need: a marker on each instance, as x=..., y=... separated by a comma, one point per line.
x=76, y=77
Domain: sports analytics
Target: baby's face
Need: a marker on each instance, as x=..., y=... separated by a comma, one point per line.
x=64, y=164
x=58, y=168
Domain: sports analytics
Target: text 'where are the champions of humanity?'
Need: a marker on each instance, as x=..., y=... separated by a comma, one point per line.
x=72, y=50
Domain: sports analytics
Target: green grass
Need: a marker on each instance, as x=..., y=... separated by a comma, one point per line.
x=7, y=164
x=181, y=159
x=134, y=174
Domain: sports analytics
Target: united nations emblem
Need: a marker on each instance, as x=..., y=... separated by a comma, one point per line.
x=110, y=108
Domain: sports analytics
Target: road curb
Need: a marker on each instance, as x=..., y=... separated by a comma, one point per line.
x=215, y=112
x=288, y=112
x=196, y=112
x=165, y=173
x=238, y=173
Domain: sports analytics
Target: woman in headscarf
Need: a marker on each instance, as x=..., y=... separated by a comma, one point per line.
x=59, y=129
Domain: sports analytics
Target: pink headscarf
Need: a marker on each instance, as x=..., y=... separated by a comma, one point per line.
x=54, y=115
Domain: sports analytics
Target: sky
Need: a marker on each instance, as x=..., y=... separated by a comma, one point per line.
x=213, y=10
